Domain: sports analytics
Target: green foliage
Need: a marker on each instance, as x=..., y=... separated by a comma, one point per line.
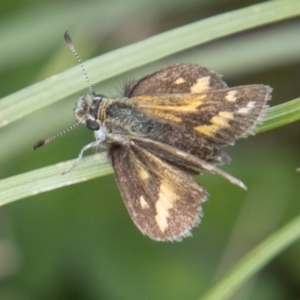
x=78, y=242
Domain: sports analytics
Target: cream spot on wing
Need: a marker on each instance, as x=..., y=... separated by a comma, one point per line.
x=143, y=203
x=180, y=80
x=245, y=110
x=226, y=115
x=165, y=202
x=231, y=96
x=144, y=175
x=202, y=85
x=218, y=122
x=251, y=104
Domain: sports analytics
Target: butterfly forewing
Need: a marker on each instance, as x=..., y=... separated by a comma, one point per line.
x=218, y=116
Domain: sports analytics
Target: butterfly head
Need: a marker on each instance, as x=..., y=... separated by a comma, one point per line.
x=87, y=110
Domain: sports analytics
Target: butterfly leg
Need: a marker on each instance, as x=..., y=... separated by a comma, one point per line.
x=86, y=147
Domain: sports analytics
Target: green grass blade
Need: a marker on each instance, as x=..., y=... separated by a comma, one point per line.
x=127, y=58
x=114, y=63
x=51, y=177
x=254, y=261
x=281, y=115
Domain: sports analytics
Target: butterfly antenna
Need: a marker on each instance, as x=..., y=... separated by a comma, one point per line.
x=45, y=141
x=73, y=49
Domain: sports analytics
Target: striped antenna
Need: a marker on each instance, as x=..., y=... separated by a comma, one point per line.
x=73, y=49
x=45, y=141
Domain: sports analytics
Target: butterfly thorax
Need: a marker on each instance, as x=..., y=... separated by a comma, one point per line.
x=115, y=118
x=122, y=117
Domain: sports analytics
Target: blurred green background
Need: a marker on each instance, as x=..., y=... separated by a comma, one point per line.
x=79, y=242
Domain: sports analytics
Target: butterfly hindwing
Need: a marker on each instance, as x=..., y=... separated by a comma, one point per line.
x=178, y=78
x=163, y=200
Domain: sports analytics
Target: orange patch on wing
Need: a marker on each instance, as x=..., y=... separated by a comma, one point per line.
x=218, y=122
x=164, y=115
x=184, y=103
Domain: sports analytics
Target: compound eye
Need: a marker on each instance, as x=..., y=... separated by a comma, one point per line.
x=93, y=125
x=99, y=97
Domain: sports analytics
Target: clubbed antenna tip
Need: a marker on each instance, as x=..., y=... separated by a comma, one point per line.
x=40, y=143
x=73, y=49
x=68, y=38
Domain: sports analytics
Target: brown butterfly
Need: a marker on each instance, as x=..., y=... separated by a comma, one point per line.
x=168, y=127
